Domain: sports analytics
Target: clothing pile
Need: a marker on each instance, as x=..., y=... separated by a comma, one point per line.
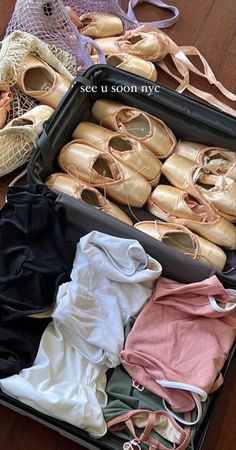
x=71, y=314
x=126, y=153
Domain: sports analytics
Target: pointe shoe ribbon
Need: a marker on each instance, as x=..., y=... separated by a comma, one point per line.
x=40, y=81
x=83, y=160
x=124, y=149
x=5, y=102
x=133, y=64
x=137, y=124
x=184, y=66
x=219, y=191
x=151, y=44
x=183, y=240
x=218, y=161
x=82, y=191
x=175, y=205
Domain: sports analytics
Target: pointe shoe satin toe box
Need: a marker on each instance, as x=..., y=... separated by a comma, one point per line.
x=149, y=130
x=82, y=191
x=133, y=64
x=40, y=81
x=175, y=205
x=35, y=116
x=181, y=239
x=100, y=25
x=81, y=159
x=124, y=149
x=108, y=45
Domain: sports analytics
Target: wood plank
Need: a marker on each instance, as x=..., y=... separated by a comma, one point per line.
x=217, y=32
x=7, y=424
x=228, y=69
x=21, y=433
x=6, y=9
x=221, y=433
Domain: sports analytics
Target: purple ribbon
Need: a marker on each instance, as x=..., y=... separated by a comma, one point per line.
x=159, y=23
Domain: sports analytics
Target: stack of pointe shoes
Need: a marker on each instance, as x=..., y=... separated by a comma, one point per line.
x=124, y=155
x=134, y=52
x=201, y=199
x=121, y=157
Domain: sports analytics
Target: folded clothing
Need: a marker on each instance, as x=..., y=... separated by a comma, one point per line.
x=180, y=341
x=35, y=257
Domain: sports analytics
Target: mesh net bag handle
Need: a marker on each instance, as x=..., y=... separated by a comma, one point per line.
x=159, y=23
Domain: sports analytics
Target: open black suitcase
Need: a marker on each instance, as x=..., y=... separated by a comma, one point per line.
x=189, y=120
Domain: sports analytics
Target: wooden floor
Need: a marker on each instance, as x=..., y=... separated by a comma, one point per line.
x=210, y=25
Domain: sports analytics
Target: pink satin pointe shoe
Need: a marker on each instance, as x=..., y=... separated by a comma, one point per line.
x=219, y=191
x=96, y=24
x=124, y=149
x=219, y=161
x=32, y=118
x=5, y=104
x=137, y=124
x=181, y=239
x=99, y=169
x=175, y=205
x=149, y=45
x=40, y=81
x=73, y=187
x=109, y=46
x=133, y=64
x=20, y=136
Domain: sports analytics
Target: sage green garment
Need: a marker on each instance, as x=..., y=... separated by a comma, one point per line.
x=123, y=397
